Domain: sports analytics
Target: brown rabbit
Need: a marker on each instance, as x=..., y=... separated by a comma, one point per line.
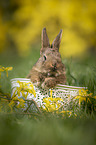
x=49, y=69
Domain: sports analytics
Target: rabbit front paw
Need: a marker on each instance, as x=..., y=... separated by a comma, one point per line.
x=49, y=83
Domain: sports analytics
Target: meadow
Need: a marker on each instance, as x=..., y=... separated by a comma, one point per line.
x=21, y=24
x=49, y=127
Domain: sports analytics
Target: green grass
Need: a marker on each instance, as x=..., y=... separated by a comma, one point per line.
x=47, y=131
x=82, y=72
x=48, y=128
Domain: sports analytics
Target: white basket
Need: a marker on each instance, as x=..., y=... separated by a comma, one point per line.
x=67, y=93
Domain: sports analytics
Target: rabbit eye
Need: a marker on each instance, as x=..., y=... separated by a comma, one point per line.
x=44, y=57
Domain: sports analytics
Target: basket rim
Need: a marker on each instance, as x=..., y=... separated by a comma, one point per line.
x=15, y=79
x=67, y=86
x=58, y=85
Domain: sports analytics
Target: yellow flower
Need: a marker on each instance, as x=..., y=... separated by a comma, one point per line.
x=51, y=93
x=11, y=104
x=1, y=70
x=83, y=92
x=23, y=90
x=80, y=99
x=15, y=98
x=52, y=104
x=25, y=87
x=8, y=69
x=5, y=69
x=83, y=96
x=21, y=103
x=90, y=94
x=14, y=94
x=94, y=97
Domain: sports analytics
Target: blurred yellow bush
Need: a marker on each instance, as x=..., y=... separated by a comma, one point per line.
x=26, y=19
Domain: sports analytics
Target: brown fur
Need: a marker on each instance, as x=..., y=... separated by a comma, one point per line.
x=49, y=69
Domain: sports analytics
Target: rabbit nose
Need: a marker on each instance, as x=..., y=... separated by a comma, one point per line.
x=54, y=66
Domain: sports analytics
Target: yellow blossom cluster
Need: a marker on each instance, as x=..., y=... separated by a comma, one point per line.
x=68, y=113
x=52, y=104
x=56, y=105
x=17, y=102
x=5, y=69
x=23, y=90
x=84, y=96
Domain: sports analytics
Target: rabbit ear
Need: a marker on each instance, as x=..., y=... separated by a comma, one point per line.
x=57, y=40
x=45, y=40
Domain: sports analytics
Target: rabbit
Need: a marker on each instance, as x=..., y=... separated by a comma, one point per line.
x=49, y=69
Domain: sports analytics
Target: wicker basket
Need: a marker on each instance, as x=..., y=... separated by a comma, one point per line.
x=67, y=93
